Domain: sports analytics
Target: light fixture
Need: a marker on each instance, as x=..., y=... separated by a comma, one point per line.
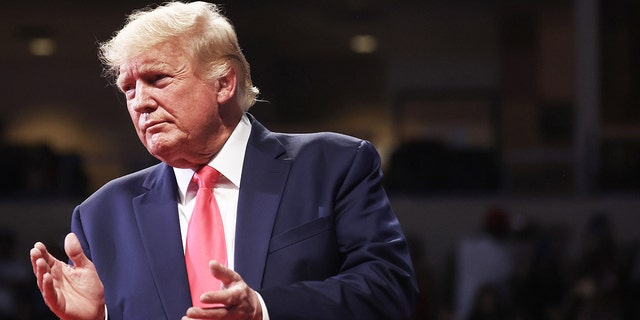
x=42, y=47
x=363, y=44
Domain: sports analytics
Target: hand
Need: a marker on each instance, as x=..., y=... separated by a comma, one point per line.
x=238, y=300
x=71, y=292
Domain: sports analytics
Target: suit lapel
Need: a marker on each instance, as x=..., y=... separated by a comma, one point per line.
x=264, y=175
x=157, y=218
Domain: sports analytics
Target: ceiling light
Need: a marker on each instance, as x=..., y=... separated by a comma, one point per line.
x=42, y=47
x=363, y=44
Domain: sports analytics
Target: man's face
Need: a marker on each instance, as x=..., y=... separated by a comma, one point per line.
x=175, y=113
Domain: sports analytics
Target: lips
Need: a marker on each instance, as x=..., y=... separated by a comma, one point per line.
x=151, y=125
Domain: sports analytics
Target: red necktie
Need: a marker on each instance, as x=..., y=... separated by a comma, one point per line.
x=205, y=237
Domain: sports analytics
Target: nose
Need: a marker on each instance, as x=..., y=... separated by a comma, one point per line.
x=143, y=101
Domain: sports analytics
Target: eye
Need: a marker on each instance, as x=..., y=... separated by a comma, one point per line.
x=158, y=78
x=127, y=89
x=124, y=84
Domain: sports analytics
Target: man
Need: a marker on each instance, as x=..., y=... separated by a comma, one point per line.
x=308, y=230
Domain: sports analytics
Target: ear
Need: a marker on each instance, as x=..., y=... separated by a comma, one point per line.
x=227, y=86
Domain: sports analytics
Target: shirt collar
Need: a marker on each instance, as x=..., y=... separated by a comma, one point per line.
x=228, y=161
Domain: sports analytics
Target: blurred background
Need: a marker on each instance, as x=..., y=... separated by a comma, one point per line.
x=509, y=132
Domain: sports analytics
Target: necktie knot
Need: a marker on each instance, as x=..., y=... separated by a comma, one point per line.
x=206, y=177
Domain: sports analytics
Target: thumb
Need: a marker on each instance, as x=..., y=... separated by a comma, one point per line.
x=73, y=249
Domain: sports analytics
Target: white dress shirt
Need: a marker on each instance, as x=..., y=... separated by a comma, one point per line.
x=228, y=161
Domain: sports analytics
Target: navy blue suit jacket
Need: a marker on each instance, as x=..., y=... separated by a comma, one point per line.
x=315, y=234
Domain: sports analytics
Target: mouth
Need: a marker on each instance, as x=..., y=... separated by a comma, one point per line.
x=152, y=126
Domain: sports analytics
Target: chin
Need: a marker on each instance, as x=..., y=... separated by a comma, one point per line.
x=162, y=153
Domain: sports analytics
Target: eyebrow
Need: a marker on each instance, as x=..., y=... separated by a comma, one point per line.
x=142, y=69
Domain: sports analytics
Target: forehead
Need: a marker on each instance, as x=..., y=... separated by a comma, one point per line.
x=163, y=57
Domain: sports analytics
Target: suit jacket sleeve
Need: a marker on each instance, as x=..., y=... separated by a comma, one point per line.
x=369, y=275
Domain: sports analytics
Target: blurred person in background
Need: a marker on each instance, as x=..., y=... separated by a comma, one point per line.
x=484, y=267
x=596, y=289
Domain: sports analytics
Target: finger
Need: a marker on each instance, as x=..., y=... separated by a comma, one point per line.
x=34, y=255
x=206, y=313
x=217, y=299
x=74, y=251
x=41, y=269
x=49, y=293
x=239, y=302
x=43, y=252
x=224, y=274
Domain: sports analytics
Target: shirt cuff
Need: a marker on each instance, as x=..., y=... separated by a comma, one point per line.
x=265, y=313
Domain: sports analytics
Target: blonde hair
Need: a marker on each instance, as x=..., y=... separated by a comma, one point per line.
x=206, y=35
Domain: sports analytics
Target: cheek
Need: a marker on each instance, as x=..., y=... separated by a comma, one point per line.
x=188, y=118
x=134, y=115
x=135, y=119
